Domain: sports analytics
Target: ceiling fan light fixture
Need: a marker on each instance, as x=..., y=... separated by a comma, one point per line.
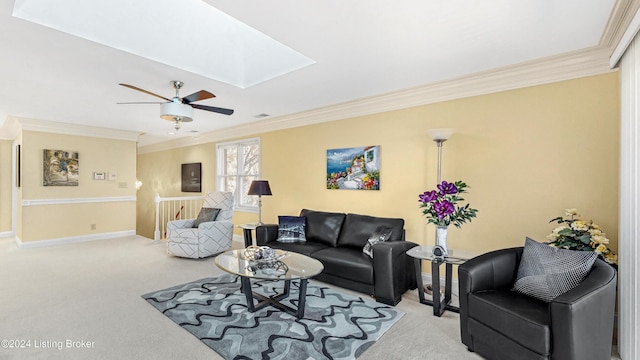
x=177, y=124
x=176, y=111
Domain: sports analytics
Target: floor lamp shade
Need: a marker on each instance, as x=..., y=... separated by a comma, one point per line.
x=259, y=187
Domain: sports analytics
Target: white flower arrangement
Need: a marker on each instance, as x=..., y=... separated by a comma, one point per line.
x=576, y=234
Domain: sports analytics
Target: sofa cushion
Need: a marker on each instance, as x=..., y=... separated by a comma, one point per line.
x=357, y=229
x=347, y=263
x=305, y=248
x=546, y=272
x=323, y=227
x=521, y=318
x=291, y=229
x=206, y=214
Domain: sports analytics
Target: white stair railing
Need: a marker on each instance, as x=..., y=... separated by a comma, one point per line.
x=174, y=208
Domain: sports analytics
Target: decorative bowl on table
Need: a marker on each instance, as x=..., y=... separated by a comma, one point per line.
x=262, y=254
x=271, y=268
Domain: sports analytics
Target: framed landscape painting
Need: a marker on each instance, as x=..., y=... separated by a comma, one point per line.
x=60, y=168
x=356, y=168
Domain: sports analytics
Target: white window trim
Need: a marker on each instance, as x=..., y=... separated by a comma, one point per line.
x=219, y=169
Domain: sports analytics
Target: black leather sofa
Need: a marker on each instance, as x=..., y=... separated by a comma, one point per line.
x=337, y=240
x=498, y=323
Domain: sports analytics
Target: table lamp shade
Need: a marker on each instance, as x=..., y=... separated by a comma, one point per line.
x=259, y=187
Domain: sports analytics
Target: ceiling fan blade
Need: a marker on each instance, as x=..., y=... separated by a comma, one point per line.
x=144, y=102
x=144, y=91
x=212, y=108
x=197, y=96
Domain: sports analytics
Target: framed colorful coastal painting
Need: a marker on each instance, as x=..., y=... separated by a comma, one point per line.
x=356, y=168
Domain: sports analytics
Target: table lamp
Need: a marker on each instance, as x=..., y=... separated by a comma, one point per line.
x=259, y=187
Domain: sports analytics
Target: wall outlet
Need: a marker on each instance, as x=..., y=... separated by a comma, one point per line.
x=122, y=185
x=93, y=226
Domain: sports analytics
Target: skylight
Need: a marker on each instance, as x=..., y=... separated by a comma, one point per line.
x=187, y=34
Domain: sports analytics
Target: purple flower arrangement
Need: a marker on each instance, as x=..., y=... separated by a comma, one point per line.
x=439, y=206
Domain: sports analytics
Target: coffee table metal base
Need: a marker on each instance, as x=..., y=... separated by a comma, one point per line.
x=274, y=300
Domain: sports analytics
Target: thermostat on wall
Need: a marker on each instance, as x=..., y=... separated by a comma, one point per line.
x=98, y=176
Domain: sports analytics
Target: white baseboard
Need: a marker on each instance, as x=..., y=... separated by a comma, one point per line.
x=6, y=234
x=73, y=239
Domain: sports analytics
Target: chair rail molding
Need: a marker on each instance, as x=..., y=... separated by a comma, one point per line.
x=88, y=200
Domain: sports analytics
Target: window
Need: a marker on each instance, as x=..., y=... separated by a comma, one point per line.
x=238, y=165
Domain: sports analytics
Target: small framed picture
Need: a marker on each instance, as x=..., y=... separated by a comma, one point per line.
x=60, y=168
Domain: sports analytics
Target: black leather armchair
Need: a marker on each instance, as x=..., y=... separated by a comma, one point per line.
x=498, y=323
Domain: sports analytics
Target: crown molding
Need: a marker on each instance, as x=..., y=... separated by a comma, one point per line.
x=75, y=129
x=628, y=16
x=619, y=20
x=10, y=128
x=577, y=64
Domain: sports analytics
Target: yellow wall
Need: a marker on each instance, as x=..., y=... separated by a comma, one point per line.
x=527, y=154
x=42, y=222
x=5, y=184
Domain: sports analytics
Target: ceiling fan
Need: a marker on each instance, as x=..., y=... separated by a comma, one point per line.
x=179, y=109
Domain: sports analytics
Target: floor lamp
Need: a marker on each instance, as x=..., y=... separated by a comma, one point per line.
x=259, y=187
x=439, y=136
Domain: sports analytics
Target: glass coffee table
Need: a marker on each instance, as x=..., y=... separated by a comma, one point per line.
x=455, y=257
x=287, y=266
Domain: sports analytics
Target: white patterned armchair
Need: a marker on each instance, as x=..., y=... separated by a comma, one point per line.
x=210, y=237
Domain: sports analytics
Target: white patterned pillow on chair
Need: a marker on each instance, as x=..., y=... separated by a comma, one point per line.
x=382, y=234
x=545, y=272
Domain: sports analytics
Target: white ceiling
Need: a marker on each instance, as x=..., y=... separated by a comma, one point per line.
x=361, y=48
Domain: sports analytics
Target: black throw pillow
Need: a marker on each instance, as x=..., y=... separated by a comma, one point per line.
x=205, y=215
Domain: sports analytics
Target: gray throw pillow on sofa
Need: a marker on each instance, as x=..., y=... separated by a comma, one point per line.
x=291, y=229
x=205, y=215
x=382, y=233
x=545, y=272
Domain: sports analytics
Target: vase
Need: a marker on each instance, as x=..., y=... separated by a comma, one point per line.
x=441, y=238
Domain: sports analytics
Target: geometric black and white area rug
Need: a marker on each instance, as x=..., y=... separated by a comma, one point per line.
x=335, y=325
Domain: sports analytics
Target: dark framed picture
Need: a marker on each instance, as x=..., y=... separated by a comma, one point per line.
x=18, y=165
x=192, y=177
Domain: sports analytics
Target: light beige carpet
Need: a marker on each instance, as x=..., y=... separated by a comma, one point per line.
x=83, y=301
